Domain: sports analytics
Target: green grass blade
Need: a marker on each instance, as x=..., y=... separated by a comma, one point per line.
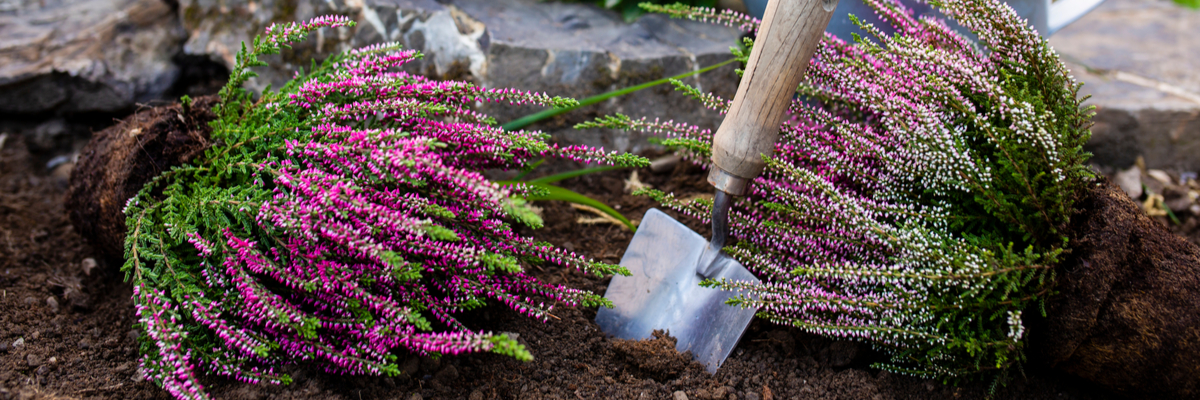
x=563, y=194
x=530, y=119
x=568, y=195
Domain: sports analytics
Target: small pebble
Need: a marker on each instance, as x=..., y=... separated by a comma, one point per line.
x=679, y=395
x=476, y=395
x=36, y=335
x=1161, y=176
x=19, y=343
x=33, y=360
x=88, y=265
x=52, y=303
x=1130, y=181
x=53, y=360
x=42, y=370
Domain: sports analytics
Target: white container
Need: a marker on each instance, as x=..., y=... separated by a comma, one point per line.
x=1045, y=16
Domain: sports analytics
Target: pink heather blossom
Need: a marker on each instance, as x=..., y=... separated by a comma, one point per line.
x=342, y=221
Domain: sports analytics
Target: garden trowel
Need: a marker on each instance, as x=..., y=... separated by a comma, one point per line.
x=667, y=260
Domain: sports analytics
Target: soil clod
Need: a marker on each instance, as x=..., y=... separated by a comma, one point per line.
x=655, y=358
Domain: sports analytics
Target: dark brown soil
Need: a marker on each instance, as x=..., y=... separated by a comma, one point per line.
x=84, y=348
x=121, y=159
x=655, y=358
x=1128, y=312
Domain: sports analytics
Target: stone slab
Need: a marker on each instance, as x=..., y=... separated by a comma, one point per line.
x=1140, y=62
x=85, y=55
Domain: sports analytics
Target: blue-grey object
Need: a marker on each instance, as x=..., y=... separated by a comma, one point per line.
x=1046, y=16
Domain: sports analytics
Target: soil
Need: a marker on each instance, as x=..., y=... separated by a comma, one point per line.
x=119, y=160
x=65, y=327
x=1126, y=313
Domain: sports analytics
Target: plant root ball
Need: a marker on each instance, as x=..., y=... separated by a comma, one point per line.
x=1127, y=312
x=119, y=160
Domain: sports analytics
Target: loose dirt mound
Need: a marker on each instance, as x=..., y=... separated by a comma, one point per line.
x=655, y=357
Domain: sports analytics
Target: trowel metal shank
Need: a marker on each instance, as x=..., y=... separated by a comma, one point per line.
x=663, y=292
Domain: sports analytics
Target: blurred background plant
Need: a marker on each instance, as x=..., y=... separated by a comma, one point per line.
x=1193, y=4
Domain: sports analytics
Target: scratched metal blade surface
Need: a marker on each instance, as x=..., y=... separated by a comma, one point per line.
x=663, y=292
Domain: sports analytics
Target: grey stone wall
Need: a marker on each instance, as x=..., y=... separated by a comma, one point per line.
x=564, y=49
x=1140, y=62
x=85, y=56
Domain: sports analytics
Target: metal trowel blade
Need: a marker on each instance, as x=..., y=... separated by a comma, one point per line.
x=663, y=292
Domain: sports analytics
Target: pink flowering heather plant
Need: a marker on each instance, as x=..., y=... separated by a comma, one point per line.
x=338, y=221
x=919, y=198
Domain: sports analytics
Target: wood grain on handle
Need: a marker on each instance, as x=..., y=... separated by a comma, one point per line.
x=789, y=35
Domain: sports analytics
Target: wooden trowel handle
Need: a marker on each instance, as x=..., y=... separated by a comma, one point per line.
x=790, y=33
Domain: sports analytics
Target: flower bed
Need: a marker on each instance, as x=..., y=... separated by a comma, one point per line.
x=1115, y=251
x=95, y=357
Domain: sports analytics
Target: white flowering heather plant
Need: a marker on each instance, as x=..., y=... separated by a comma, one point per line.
x=919, y=198
x=339, y=221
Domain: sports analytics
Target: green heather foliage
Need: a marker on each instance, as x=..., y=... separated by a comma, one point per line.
x=339, y=221
x=919, y=198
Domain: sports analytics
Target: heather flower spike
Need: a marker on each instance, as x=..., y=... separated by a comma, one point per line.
x=918, y=199
x=341, y=221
